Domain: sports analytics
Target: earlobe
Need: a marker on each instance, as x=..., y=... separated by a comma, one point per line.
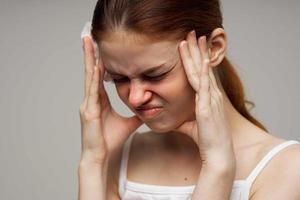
x=217, y=44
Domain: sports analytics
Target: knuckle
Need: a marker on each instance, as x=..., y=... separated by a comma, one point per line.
x=194, y=74
x=87, y=115
x=219, y=93
x=214, y=103
x=204, y=113
x=220, y=96
x=80, y=112
x=204, y=80
x=91, y=113
x=93, y=92
x=82, y=109
x=88, y=70
x=198, y=63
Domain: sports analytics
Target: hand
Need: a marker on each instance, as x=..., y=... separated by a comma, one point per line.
x=210, y=130
x=102, y=129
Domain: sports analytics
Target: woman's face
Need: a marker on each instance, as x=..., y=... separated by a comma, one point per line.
x=150, y=80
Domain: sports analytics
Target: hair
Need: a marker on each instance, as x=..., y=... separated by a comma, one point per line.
x=171, y=20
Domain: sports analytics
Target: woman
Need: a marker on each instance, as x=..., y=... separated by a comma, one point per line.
x=203, y=143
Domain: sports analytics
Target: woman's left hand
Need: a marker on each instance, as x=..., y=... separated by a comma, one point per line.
x=211, y=129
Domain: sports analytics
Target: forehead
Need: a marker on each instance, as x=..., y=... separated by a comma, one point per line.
x=130, y=51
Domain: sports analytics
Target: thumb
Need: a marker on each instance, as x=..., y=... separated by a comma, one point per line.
x=189, y=128
x=186, y=127
x=133, y=123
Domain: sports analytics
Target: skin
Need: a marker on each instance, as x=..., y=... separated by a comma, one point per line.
x=129, y=58
x=220, y=133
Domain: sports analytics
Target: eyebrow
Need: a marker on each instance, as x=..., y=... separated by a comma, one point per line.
x=147, y=71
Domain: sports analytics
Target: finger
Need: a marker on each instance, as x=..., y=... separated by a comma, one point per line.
x=213, y=88
x=215, y=92
x=89, y=62
x=104, y=100
x=186, y=127
x=202, y=44
x=214, y=85
x=93, y=98
x=188, y=64
x=203, y=47
x=204, y=52
x=194, y=50
x=212, y=78
x=101, y=76
x=204, y=93
x=133, y=123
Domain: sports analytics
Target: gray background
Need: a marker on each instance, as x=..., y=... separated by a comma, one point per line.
x=41, y=79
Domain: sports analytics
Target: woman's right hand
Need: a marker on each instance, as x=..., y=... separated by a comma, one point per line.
x=102, y=129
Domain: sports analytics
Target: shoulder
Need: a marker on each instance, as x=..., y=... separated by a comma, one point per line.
x=281, y=178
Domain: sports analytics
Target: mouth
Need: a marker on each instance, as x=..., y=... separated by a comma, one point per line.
x=149, y=113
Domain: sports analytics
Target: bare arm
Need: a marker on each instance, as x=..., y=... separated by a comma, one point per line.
x=99, y=180
x=215, y=185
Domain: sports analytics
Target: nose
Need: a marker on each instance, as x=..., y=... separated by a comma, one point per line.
x=138, y=93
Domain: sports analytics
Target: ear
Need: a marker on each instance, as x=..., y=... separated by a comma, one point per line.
x=217, y=44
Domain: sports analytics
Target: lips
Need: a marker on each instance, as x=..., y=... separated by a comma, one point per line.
x=149, y=112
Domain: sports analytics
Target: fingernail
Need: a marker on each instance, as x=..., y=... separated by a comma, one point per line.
x=193, y=32
x=183, y=42
x=197, y=97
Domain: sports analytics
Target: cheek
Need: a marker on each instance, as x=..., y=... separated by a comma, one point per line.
x=177, y=89
x=181, y=97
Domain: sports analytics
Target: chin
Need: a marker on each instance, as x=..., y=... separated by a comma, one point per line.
x=164, y=126
x=161, y=126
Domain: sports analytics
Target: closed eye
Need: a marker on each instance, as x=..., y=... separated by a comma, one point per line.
x=155, y=78
x=145, y=77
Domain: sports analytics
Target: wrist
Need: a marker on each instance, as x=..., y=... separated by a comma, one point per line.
x=220, y=170
x=89, y=159
x=219, y=162
x=86, y=163
x=87, y=170
x=214, y=183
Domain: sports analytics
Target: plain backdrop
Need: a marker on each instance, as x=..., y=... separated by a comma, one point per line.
x=41, y=80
